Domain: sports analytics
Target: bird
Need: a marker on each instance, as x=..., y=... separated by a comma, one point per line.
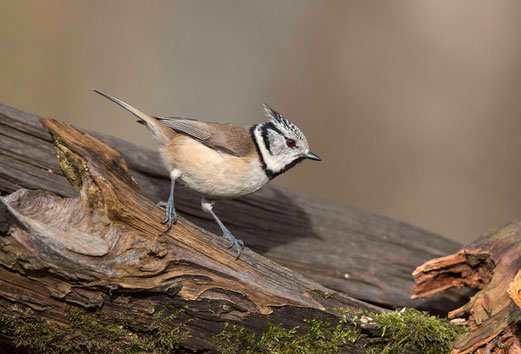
x=222, y=160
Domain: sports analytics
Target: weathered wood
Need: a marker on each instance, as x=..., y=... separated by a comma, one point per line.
x=344, y=248
x=489, y=264
x=105, y=249
x=514, y=289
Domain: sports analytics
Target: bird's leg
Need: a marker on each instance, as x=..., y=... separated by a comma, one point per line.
x=207, y=206
x=170, y=209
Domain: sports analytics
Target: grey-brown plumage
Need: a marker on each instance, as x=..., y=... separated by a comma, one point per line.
x=223, y=160
x=230, y=138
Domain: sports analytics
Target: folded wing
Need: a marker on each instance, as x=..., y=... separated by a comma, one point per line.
x=225, y=137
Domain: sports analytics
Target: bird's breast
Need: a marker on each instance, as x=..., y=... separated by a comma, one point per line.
x=212, y=173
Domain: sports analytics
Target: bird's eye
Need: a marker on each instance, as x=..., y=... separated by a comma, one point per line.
x=290, y=143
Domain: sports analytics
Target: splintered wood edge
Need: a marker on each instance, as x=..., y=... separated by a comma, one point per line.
x=514, y=289
x=491, y=264
x=437, y=264
x=468, y=267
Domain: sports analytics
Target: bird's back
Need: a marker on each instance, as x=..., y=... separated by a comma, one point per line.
x=225, y=137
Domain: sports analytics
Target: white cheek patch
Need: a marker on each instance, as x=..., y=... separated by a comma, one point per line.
x=263, y=150
x=274, y=162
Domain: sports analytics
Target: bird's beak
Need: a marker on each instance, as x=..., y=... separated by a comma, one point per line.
x=312, y=156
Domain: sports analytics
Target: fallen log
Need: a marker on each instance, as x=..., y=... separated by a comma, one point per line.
x=489, y=264
x=105, y=249
x=367, y=256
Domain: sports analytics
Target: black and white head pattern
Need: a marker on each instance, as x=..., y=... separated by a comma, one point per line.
x=280, y=143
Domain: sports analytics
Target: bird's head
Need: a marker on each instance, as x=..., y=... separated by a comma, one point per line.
x=280, y=143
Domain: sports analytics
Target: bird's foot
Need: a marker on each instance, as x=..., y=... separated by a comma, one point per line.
x=170, y=211
x=234, y=242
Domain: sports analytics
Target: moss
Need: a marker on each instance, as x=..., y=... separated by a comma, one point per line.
x=407, y=331
x=89, y=334
x=320, y=294
x=321, y=337
x=70, y=163
x=412, y=331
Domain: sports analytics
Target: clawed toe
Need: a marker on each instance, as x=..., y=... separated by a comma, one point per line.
x=227, y=235
x=240, y=245
x=231, y=244
x=234, y=242
x=171, y=215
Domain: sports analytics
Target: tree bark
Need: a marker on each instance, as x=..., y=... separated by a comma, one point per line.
x=367, y=256
x=489, y=264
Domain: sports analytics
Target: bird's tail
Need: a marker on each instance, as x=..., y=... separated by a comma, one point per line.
x=161, y=132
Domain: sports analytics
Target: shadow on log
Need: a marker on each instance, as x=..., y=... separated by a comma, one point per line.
x=105, y=249
x=367, y=256
x=489, y=264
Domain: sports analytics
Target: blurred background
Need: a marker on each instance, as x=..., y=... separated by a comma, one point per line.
x=414, y=106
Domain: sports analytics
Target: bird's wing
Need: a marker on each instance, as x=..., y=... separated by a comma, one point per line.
x=196, y=129
x=225, y=137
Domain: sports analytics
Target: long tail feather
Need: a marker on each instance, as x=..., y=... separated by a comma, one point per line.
x=161, y=132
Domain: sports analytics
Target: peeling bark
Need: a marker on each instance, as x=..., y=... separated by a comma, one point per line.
x=514, y=289
x=489, y=264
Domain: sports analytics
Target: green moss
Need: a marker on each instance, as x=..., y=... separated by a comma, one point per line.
x=321, y=337
x=413, y=331
x=89, y=334
x=407, y=331
x=320, y=294
x=69, y=163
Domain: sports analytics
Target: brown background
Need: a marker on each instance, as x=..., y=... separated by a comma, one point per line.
x=414, y=106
